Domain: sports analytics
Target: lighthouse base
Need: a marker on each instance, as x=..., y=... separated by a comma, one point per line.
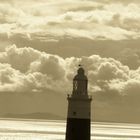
x=78, y=129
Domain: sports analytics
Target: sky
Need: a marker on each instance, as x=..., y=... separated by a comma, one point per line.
x=43, y=41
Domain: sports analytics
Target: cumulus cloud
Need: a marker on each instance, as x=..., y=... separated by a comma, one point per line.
x=26, y=69
x=19, y=58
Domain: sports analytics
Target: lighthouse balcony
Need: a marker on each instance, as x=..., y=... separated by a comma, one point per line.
x=79, y=96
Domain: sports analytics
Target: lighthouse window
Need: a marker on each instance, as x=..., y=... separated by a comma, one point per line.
x=75, y=85
x=74, y=113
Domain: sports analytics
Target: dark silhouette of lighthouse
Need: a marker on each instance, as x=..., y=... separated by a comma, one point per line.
x=79, y=106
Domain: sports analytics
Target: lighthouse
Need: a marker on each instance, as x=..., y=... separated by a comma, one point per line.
x=79, y=106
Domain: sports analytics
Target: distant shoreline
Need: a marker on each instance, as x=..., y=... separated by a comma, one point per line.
x=64, y=120
x=29, y=119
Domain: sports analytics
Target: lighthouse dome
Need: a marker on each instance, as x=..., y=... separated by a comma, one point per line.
x=81, y=71
x=80, y=74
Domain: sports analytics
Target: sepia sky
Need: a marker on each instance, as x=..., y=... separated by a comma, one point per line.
x=43, y=41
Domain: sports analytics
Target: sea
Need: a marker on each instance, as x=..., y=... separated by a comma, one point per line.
x=27, y=129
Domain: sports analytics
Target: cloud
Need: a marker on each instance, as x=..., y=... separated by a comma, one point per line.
x=118, y=1
x=26, y=69
x=98, y=21
x=29, y=69
x=51, y=65
x=19, y=58
x=78, y=26
x=128, y=19
x=9, y=78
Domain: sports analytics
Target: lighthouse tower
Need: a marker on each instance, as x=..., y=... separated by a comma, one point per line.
x=79, y=106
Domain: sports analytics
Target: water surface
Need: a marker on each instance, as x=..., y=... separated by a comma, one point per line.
x=16, y=129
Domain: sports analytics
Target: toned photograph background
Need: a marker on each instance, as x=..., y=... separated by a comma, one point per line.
x=44, y=41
